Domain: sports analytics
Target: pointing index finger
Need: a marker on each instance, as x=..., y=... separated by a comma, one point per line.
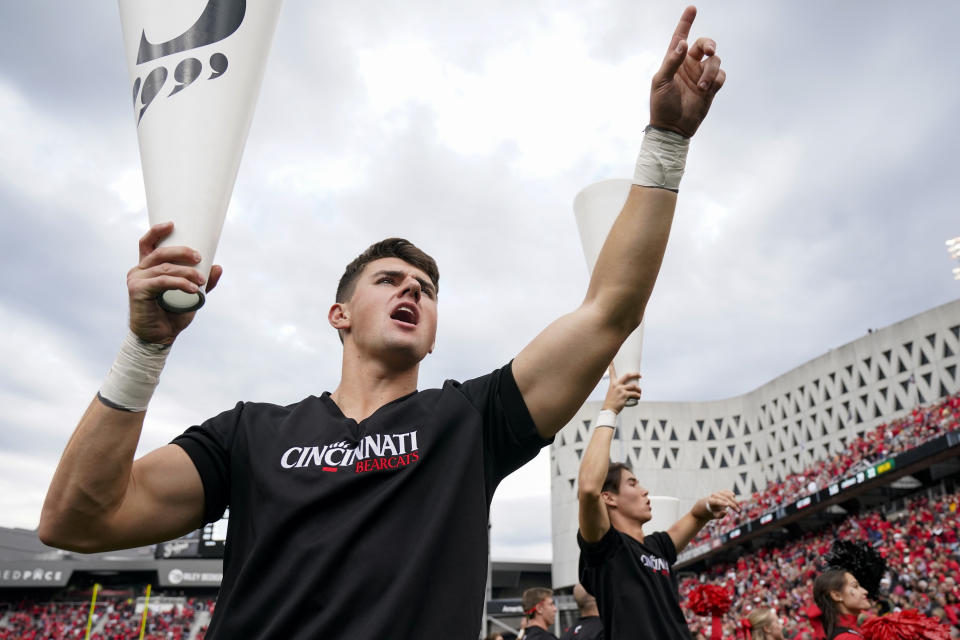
x=683, y=27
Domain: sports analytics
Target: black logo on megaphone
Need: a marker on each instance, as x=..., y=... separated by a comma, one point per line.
x=219, y=20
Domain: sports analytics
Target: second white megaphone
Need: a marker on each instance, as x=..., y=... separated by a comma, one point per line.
x=596, y=208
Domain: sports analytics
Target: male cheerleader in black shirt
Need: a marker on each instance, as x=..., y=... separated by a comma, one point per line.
x=589, y=626
x=353, y=509
x=630, y=572
x=540, y=611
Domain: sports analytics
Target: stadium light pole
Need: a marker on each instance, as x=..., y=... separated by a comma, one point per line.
x=953, y=248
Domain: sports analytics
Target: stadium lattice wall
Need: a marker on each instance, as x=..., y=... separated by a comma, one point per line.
x=688, y=449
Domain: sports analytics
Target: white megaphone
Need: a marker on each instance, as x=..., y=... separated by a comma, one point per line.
x=195, y=69
x=596, y=208
x=664, y=512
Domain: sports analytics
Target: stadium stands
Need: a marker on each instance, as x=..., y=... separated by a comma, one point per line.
x=919, y=542
x=113, y=619
x=921, y=425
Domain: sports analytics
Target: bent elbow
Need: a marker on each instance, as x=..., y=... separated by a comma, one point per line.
x=587, y=490
x=48, y=530
x=46, y=536
x=51, y=535
x=611, y=323
x=59, y=535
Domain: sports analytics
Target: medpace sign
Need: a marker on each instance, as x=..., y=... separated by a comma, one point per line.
x=33, y=575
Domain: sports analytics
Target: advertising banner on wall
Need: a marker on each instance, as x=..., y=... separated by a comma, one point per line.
x=34, y=574
x=191, y=573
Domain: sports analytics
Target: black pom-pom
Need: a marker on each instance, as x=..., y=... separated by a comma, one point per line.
x=866, y=565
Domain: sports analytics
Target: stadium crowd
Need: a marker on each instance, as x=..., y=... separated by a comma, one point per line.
x=114, y=619
x=43, y=621
x=919, y=543
x=171, y=624
x=920, y=425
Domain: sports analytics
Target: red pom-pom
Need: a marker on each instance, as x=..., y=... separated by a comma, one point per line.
x=709, y=599
x=908, y=624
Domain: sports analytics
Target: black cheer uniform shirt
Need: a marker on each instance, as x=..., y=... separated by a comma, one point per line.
x=589, y=628
x=536, y=633
x=375, y=529
x=634, y=585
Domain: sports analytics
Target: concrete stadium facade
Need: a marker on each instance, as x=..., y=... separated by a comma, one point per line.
x=688, y=449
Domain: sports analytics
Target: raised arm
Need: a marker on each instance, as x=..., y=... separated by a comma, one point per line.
x=100, y=498
x=557, y=371
x=594, y=520
x=713, y=507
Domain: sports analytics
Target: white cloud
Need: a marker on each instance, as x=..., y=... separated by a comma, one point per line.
x=23, y=486
x=816, y=201
x=128, y=187
x=61, y=164
x=317, y=177
x=520, y=525
x=546, y=96
x=44, y=388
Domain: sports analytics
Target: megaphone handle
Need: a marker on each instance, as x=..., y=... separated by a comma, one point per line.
x=176, y=301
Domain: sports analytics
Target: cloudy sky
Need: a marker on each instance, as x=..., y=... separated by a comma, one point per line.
x=816, y=203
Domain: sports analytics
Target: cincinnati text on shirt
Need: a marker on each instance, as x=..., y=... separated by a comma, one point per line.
x=375, y=452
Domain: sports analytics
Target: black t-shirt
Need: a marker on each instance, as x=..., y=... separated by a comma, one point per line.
x=635, y=588
x=589, y=628
x=536, y=633
x=369, y=530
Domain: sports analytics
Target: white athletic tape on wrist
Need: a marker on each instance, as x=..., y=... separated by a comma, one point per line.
x=606, y=418
x=134, y=375
x=662, y=159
